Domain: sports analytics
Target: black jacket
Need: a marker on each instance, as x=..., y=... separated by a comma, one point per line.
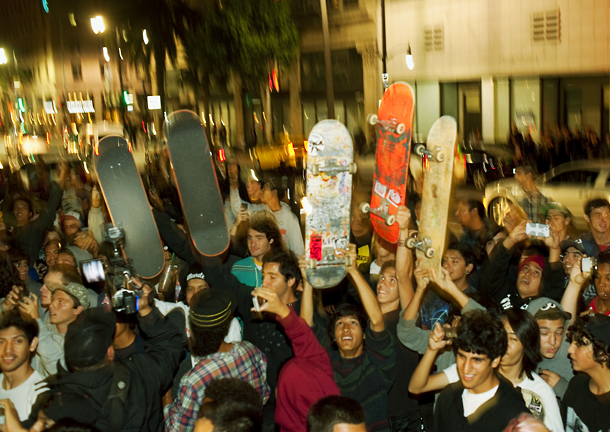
x=493, y=416
x=82, y=395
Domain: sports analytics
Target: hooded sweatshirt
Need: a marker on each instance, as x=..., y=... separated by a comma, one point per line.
x=560, y=364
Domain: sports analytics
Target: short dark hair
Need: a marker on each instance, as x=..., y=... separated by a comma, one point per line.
x=492, y=231
x=333, y=410
x=466, y=251
x=67, y=272
x=346, y=310
x=18, y=254
x=28, y=326
x=479, y=332
x=235, y=406
x=65, y=250
x=206, y=341
x=386, y=265
x=527, y=331
x=270, y=230
x=288, y=266
x=595, y=203
x=604, y=257
x=528, y=169
x=579, y=331
x=476, y=204
x=481, y=298
x=25, y=200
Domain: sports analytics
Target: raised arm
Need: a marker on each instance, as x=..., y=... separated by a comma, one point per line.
x=422, y=278
x=569, y=301
x=421, y=380
x=404, y=259
x=366, y=294
x=307, y=297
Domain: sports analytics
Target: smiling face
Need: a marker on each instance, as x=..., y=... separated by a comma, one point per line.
x=51, y=252
x=602, y=282
x=551, y=336
x=258, y=244
x=22, y=268
x=571, y=257
x=15, y=349
x=599, y=221
x=528, y=280
x=349, y=336
x=387, y=287
x=21, y=210
x=476, y=371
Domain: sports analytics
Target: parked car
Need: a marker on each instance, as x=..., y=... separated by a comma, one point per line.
x=571, y=184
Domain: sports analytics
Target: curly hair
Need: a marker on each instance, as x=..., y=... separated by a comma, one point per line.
x=203, y=342
x=481, y=333
x=579, y=334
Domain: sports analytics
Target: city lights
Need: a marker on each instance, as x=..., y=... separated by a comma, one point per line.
x=145, y=37
x=410, y=63
x=106, y=56
x=97, y=24
x=3, y=59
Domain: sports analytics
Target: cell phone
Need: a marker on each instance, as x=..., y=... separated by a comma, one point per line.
x=537, y=230
x=244, y=206
x=450, y=332
x=588, y=264
x=93, y=270
x=258, y=303
x=24, y=293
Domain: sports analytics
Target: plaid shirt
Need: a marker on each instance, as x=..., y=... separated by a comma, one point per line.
x=532, y=206
x=244, y=361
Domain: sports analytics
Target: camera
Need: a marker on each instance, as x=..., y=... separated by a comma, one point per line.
x=588, y=264
x=123, y=294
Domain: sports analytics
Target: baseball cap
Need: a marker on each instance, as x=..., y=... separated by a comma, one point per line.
x=88, y=337
x=73, y=215
x=538, y=259
x=551, y=309
x=75, y=290
x=554, y=206
x=576, y=243
x=599, y=326
x=195, y=272
x=211, y=308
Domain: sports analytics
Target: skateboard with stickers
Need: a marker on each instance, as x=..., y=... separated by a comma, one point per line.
x=128, y=205
x=393, y=123
x=439, y=157
x=196, y=182
x=330, y=165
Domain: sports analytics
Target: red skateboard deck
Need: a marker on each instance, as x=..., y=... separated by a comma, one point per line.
x=394, y=122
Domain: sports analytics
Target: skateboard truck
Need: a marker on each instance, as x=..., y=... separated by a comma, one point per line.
x=330, y=259
x=423, y=245
x=381, y=211
x=398, y=128
x=438, y=156
x=333, y=168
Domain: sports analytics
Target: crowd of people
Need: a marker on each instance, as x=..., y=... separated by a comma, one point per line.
x=511, y=334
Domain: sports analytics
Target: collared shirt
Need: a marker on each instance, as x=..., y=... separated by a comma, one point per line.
x=243, y=361
x=532, y=204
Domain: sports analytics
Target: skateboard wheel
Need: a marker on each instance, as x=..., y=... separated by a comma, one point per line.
x=315, y=169
x=352, y=168
x=390, y=220
x=430, y=252
x=411, y=243
x=400, y=128
x=313, y=264
x=419, y=150
x=365, y=207
x=440, y=156
x=348, y=261
x=372, y=119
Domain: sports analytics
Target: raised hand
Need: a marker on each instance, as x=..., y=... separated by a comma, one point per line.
x=403, y=218
x=436, y=339
x=272, y=303
x=422, y=275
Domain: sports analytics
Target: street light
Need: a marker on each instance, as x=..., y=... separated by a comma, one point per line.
x=3, y=59
x=106, y=56
x=145, y=37
x=97, y=24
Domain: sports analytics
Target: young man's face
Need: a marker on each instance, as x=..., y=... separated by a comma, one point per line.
x=514, y=352
x=602, y=282
x=349, y=336
x=51, y=252
x=599, y=221
x=267, y=193
x=14, y=349
x=272, y=278
x=571, y=257
x=64, y=258
x=489, y=246
x=582, y=357
x=387, y=287
x=61, y=309
x=551, y=336
x=476, y=371
x=463, y=214
x=22, y=268
x=21, y=210
x=520, y=176
x=70, y=226
x=45, y=292
x=557, y=220
x=528, y=280
x=258, y=244
x=193, y=287
x=254, y=189
x=455, y=264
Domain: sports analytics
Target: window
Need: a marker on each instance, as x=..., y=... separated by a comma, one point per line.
x=77, y=70
x=576, y=178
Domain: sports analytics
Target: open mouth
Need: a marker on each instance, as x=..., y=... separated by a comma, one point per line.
x=346, y=338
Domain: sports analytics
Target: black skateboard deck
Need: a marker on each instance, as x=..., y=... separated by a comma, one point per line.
x=196, y=181
x=127, y=203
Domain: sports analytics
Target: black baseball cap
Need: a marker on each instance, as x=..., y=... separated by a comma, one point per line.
x=88, y=337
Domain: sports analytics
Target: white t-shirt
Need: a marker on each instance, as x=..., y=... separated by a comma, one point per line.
x=539, y=398
x=473, y=401
x=24, y=395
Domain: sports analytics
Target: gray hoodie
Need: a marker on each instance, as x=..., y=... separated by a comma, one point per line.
x=560, y=364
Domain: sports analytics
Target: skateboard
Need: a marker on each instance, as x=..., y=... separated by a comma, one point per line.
x=393, y=120
x=128, y=205
x=196, y=182
x=438, y=161
x=330, y=166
